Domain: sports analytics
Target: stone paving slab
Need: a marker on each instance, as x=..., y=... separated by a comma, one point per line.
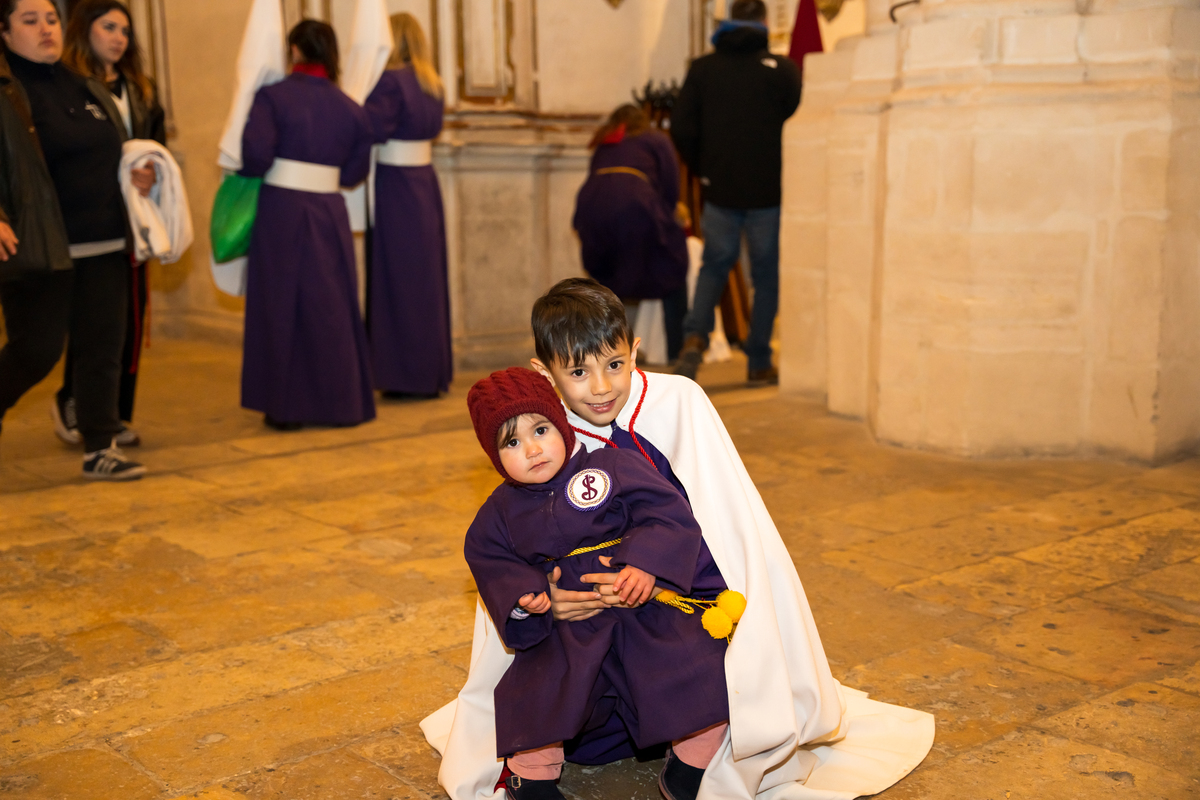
x=976, y=696
x=1146, y=720
x=269, y=615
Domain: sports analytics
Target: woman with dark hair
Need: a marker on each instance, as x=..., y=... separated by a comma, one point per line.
x=625, y=217
x=101, y=44
x=408, y=296
x=63, y=127
x=305, y=349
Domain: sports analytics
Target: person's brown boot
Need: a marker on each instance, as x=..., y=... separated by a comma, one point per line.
x=691, y=355
x=768, y=376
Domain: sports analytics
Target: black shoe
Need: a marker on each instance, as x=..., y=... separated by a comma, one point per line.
x=271, y=422
x=110, y=464
x=518, y=788
x=691, y=355
x=763, y=377
x=66, y=427
x=679, y=781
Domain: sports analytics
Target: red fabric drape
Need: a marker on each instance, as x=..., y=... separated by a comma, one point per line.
x=806, y=34
x=315, y=70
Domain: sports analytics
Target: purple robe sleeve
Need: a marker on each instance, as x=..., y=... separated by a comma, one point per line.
x=356, y=169
x=662, y=536
x=383, y=108
x=260, y=137
x=503, y=577
x=668, y=171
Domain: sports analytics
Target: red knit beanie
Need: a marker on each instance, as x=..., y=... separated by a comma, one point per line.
x=510, y=393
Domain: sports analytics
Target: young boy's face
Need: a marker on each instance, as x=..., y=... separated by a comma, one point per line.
x=534, y=452
x=598, y=387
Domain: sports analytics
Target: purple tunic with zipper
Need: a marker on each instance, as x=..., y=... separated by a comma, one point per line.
x=305, y=351
x=629, y=238
x=408, y=296
x=652, y=669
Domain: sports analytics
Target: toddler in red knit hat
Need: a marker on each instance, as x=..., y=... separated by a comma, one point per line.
x=650, y=668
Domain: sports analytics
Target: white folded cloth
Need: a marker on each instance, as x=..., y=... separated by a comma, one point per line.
x=162, y=222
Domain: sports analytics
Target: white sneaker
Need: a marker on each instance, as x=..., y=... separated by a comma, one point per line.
x=66, y=427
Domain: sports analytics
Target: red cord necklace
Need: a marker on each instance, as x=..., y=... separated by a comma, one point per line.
x=632, y=421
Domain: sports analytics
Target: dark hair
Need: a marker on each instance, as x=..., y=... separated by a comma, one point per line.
x=748, y=10
x=318, y=45
x=629, y=115
x=77, y=46
x=8, y=8
x=577, y=318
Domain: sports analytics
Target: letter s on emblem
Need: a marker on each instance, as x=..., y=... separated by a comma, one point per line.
x=588, y=489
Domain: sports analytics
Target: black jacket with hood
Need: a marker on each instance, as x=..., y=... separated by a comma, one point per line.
x=728, y=120
x=28, y=202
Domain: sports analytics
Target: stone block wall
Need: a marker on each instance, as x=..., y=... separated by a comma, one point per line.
x=1010, y=251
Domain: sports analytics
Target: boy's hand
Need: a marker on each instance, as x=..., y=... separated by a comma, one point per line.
x=576, y=606
x=535, y=605
x=634, y=586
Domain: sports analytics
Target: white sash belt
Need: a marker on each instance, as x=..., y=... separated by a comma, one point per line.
x=303, y=176
x=403, y=153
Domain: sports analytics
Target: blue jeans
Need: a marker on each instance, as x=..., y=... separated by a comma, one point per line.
x=722, y=229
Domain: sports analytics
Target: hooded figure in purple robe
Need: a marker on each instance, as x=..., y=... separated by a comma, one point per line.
x=653, y=671
x=625, y=211
x=408, y=296
x=305, y=349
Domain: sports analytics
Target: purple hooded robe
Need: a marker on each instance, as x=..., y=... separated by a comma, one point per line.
x=408, y=295
x=305, y=349
x=651, y=673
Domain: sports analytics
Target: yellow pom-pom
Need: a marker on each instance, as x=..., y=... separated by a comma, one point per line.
x=732, y=603
x=717, y=623
x=666, y=596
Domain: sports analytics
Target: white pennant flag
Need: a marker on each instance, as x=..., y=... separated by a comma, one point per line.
x=261, y=61
x=370, y=47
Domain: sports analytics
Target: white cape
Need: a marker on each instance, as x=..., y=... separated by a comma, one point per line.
x=795, y=732
x=370, y=47
x=162, y=222
x=261, y=62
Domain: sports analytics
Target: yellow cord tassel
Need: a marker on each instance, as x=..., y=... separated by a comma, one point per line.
x=720, y=616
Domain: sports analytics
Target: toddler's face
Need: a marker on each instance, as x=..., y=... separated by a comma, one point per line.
x=534, y=452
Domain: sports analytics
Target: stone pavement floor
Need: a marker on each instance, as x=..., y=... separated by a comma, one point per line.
x=269, y=615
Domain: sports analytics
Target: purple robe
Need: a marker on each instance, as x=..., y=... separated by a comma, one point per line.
x=630, y=240
x=408, y=294
x=652, y=669
x=305, y=351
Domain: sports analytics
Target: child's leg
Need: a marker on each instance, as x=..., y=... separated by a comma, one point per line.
x=699, y=748
x=542, y=764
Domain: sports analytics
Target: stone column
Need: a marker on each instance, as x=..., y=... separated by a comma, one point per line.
x=1027, y=279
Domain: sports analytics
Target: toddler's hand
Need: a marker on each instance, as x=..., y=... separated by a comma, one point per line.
x=634, y=586
x=535, y=605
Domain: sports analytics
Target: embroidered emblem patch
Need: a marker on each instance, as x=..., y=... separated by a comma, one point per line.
x=588, y=489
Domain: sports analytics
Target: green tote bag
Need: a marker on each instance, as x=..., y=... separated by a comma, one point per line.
x=234, y=209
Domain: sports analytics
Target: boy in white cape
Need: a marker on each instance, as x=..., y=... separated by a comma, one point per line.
x=794, y=732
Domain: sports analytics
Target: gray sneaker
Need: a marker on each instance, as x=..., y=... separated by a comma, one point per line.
x=66, y=427
x=128, y=437
x=110, y=464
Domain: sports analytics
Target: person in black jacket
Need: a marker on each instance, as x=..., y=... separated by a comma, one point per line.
x=727, y=125
x=77, y=127
x=101, y=44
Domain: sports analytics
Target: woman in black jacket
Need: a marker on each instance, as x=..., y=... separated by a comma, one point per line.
x=77, y=127
x=101, y=44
